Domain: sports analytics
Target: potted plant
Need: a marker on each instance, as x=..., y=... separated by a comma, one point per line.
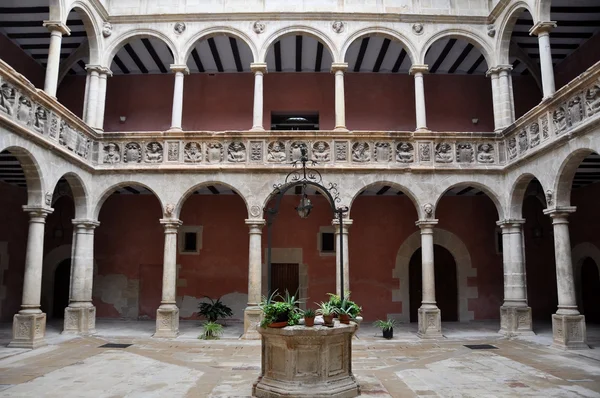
x=387, y=327
x=309, y=317
x=280, y=311
x=327, y=311
x=212, y=330
x=346, y=308
x=214, y=310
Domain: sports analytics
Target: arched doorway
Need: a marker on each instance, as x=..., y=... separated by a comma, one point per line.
x=590, y=291
x=446, y=284
x=62, y=280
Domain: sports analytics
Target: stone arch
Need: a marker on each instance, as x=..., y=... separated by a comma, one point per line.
x=33, y=175
x=190, y=191
x=51, y=261
x=474, y=38
x=317, y=34
x=214, y=31
x=110, y=190
x=80, y=193
x=506, y=27
x=494, y=196
x=411, y=195
x=579, y=254
x=464, y=271
x=565, y=175
x=121, y=40
x=517, y=195
x=57, y=10
x=388, y=33
x=542, y=8
x=92, y=29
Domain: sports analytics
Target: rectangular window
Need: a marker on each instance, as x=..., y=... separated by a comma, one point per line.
x=189, y=239
x=189, y=242
x=294, y=120
x=327, y=243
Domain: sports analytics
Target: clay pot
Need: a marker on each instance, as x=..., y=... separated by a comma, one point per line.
x=309, y=321
x=278, y=324
x=328, y=319
x=344, y=318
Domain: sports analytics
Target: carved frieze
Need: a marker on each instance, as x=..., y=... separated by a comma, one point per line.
x=361, y=152
x=53, y=125
x=133, y=153
x=25, y=111
x=575, y=111
x=192, y=152
x=592, y=100
x=405, y=152
x=443, y=153
x=534, y=132
x=523, y=141
x=173, y=151
x=512, y=148
x=465, y=152
x=545, y=128
x=560, y=120
x=382, y=152
x=214, y=152
x=256, y=151
x=296, y=150
x=276, y=152
x=40, y=120
x=236, y=152
x=485, y=153
x=321, y=151
x=154, y=152
x=341, y=151
x=425, y=152
x=112, y=153
x=73, y=140
x=7, y=99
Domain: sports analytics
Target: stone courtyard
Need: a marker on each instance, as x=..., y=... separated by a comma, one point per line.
x=403, y=367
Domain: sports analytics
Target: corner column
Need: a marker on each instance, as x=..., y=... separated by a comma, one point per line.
x=167, y=315
x=91, y=106
x=418, y=71
x=259, y=70
x=515, y=314
x=57, y=29
x=542, y=30
x=340, y=97
x=347, y=223
x=252, y=313
x=492, y=73
x=177, y=111
x=29, y=324
x=80, y=315
x=506, y=107
x=568, y=325
x=430, y=316
x=103, y=75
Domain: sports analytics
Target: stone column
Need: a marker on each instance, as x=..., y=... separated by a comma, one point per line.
x=57, y=29
x=430, y=316
x=103, y=75
x=542, y=30
x=515, y=314
x=492, y=73
x=340, y=99
x=568, y=325
x=506, y=116
x=29, y=324
x=252, y=313
x=92, y=94
x=418, y=71
x=177, y=111
x=346, y=264
x=85, y=96
x=80, y=315
x=259, y=69
x=167, y=315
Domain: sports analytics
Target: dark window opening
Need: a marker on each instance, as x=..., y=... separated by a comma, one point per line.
x=295, y=121
x=327, y=242
x=190, y=241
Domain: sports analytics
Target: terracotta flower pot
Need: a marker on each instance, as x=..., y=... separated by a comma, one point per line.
x=278, y=324
x=328, y=319
x=309, y=321
x=344, y=318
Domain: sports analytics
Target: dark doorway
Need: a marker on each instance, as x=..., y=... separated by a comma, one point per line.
x=62, y=282
x=285, y=277
x=590, y=291
x=446, y=284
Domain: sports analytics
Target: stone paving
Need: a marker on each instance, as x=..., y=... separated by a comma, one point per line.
x=188, y=367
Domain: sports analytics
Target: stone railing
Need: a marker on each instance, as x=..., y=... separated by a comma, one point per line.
x=572, y=108
x=42, y=116
x=359, y=149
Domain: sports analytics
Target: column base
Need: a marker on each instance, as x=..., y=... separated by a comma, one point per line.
x=515, y=321
x=430, y=323
x=29, y=331
x=174, y=129
x=252, y=318
x=167, y=322
x=341, y=129
x=568, y=332
x=80, y=320
x=257, y=128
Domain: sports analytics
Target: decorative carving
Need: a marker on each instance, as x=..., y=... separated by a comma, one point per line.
x=276, y=152
x=549, y=198
x=485, y=153
x=258, y=27
x=405, y=152
x=256, y=151
x=73, y=140
x=558, y=330
x=296, y=150
x=592, y=100
x=40, y=120
x=382, y=152
x=107, y=29
x=255, y=211
x=192, y=153
x=545, y=130
x=512, y=147
x=214, y=152
x=169, y=208
x=361, y=152
x=24, y=111
x=53, y=126
x=502, y=151
x=338, y=26
x=425, y=152
x=179, y=27
x=523, y=141
x=465, y=153
x=491, y=31
x=7, y=99
x=24, y=329
x=48, y=198
x=431, y=320
x=133, y=153
x=341, y=151
x=154, y=152
x=112, y=153
x=443, y=152
x=559, y=119
x=428, y=208
x=574, y=331
x=173, y=151
x=418, y=28
x=320, y=151
x=534, y=131
x=575, y=111
x=236, y=152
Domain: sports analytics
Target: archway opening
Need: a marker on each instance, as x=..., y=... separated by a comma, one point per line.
x=590, y=291
x=62, y=279
x=446, y=284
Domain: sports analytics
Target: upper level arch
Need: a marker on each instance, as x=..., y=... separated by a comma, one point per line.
x=506, y=27
x=518, y=190
x=491, y=192
x=471, y=37
x=92, y=28
x=299, y=30
x=105, y=192
x=216, y=31
x=189, y=191
x=78, y=190
x=395, y=185
x=125, y=38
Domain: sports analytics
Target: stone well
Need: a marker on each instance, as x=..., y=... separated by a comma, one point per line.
x=299, y=361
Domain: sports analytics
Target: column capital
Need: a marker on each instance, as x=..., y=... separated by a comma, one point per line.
x=499, y=68
x=339, y=67
x=95, y=68
x=171, y=224
x=510, y=222
x=255, y=222
x=180, y=68
x=258, y=67
x=542, y=27
x=418, y=69
x=347, y=223
x=57, y=26
x=85, y=223
x=560, y=214
x=426, y=224
x=37, y=211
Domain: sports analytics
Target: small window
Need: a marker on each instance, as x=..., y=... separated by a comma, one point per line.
x=190, y=239
x=327, y=244
x=295, y=121
x=189, y=242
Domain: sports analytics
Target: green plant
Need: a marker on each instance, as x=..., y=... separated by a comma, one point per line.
x=309, y=313
x=284, y=310
x=385, y=325
x=214, y=310
x=326, y=308
x=345, y=306
x=212, y=330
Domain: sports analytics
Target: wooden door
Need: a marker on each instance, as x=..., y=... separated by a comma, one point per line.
x=285, y=277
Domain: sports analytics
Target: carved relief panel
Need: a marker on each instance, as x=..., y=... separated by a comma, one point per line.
x=276, y=152
x=405, y=152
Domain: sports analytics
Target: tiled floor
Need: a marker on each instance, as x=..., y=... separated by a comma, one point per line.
x=402, y=367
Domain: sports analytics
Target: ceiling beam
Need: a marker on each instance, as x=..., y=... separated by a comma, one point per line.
x=138, y=62
x=399, y=61
x=236, y=54
x=381, y=56
x=197, y=60
x=319, y=58
x=154, y=55
x=277, y=54
x=361, y=54
x=442, y=57
x=476, y=64
x=298, y=53
x=465, y=52
x=215, y=53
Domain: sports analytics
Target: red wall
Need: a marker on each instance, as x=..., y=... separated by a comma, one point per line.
x=576, y=63
x=21, y=62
